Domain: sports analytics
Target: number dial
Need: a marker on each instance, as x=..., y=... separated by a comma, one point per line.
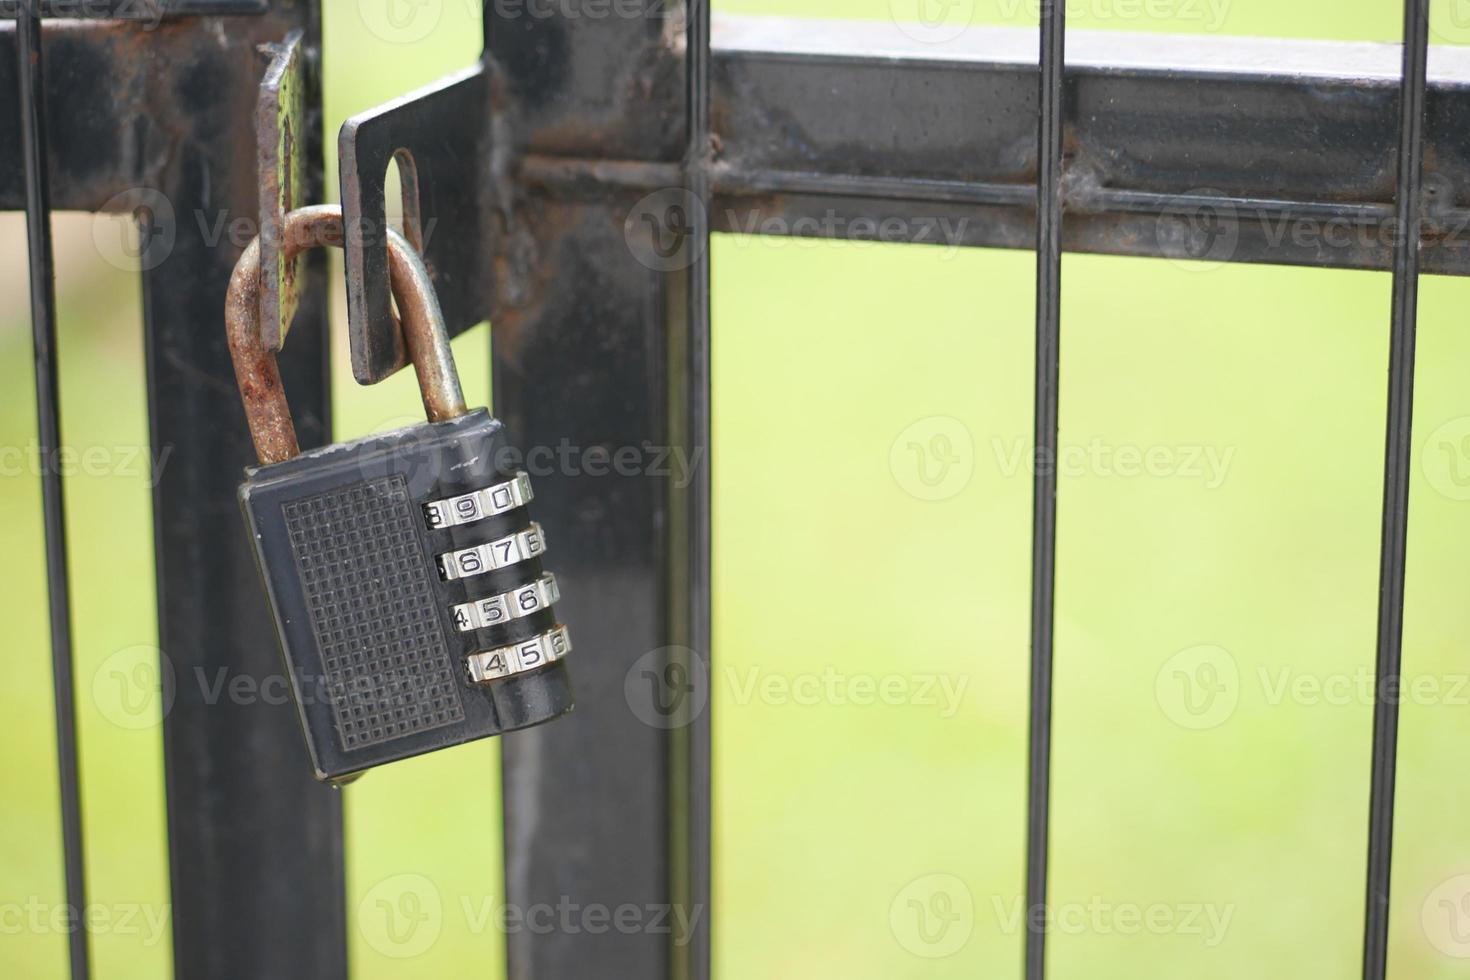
x=527, y=655
x=502, y=608
x=487, y=502
x=501, y=553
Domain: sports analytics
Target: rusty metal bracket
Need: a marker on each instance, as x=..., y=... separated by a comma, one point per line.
x=437, y=136
x=281, y=149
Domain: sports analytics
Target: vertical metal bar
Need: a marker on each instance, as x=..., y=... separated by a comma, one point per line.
x=585, y=314
x=255, y=844
x=1044, y=503
x=1394, y=546
x=32, y=86
x=690, y=581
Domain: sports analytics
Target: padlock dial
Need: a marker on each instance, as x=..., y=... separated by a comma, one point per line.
x=497, y=609
x=487, y=502
x=501, y=553
x=519, y=658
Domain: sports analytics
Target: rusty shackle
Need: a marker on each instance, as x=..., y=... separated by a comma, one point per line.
x=422, y=322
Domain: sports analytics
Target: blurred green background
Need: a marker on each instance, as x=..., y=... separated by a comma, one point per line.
x=1216, y=600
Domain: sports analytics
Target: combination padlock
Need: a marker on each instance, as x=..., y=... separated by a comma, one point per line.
x=403, y=570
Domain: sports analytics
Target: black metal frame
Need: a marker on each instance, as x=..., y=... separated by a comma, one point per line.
x=567, y=122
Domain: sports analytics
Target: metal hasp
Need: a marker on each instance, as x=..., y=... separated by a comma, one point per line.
x=438, y=137
x=280, y=121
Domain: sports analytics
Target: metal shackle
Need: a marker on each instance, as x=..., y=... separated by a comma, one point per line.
x=420, y=319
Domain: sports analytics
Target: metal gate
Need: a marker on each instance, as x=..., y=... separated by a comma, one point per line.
x=574, y=131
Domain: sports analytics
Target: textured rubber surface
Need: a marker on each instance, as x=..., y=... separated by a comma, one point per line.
x=373, y=612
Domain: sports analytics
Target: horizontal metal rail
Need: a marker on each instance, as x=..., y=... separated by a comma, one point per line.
x=1217, y=148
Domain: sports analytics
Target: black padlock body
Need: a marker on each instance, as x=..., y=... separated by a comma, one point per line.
x=345, y=548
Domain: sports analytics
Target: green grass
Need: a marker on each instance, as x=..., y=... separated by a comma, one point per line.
x=1260, y=392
